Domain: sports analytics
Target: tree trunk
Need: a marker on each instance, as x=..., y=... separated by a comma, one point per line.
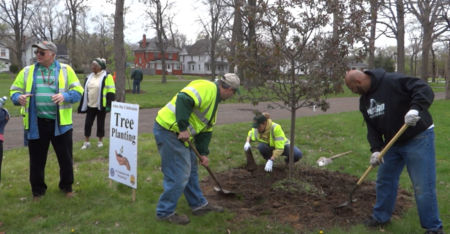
x=426, y=46
x=400, y=36
x=433, y=65
x=119, y=51
x=236, y=37
x=373, y=27
x=447, y=79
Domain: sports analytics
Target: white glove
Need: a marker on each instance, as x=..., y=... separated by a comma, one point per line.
x=374, y=159
x=269, y=165
x=247, y=146
x=412, y=117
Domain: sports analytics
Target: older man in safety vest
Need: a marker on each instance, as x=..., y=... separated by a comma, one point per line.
x=46, y=91
x=190, y=114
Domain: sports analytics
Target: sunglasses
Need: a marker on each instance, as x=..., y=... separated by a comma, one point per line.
x=42, y=53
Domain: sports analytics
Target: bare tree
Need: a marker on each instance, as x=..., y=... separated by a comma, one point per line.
x=393, y=18
x=16, y=14
x=236, y=35
x=103, y=36
x=75, y=9
x=429, y=14
x=214, y=28
x=157, y=12
x=446, y=16
x=119, y=50
x=299, y=62
x=43, y=25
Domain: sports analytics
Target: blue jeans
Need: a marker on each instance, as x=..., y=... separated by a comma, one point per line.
x=136, y=86
x=419, y=157
x=266, y=152
x=179, y=166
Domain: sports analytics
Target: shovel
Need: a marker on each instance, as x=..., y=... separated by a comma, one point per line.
x=217, y=188
x=382, y=153
x=322, y=161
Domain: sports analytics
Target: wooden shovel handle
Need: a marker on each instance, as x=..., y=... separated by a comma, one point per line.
x=207, y=168
x=339, y=155
x=383, y=152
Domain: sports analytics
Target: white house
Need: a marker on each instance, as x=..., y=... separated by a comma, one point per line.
x=4, y=58
x=195, y=59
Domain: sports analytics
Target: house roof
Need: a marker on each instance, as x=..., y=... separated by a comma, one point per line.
x=200, y=47
x=152, y=46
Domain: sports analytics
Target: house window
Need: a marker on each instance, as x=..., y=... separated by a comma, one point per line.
x=192, y=58
x=199, y=68
x=140, y=60
x=3, y=52
x=168, y=66
x=207, y=67
x=193, y=68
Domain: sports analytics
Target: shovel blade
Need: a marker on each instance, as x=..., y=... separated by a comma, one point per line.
x=223, y=191
x=322, y=161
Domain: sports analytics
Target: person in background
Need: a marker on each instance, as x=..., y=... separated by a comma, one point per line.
x=4, y=118
x=137, y=77
x=46, y=91
x=99, y=92
x=387, y=101
x=191, y=114
x=272, y=141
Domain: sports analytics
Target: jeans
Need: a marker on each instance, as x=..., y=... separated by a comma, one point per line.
x=266, y=152
x=136, y=86
x=179, y=166
x=419, y=157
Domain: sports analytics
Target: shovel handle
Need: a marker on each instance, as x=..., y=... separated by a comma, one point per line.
x=383, y=152
x=207, y=168
x=339, y=155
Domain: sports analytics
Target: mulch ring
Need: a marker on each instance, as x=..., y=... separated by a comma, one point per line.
x=307, y=202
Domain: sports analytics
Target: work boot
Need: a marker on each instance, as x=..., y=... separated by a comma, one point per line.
x=206, y=209
x=439, y=231
x=175, y=219
x=373, y=223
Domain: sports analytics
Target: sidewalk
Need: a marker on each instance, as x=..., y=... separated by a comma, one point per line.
x=228, y=113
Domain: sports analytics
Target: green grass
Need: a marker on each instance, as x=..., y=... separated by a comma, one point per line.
x=100, y=207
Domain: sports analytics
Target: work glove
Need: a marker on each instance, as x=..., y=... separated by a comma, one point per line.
x=374, y=159
x=247, y=146
x=412, y=117
x=268, y=166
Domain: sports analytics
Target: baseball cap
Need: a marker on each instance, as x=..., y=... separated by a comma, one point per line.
x=259, y=119
x=46, y=45
x=231, y=80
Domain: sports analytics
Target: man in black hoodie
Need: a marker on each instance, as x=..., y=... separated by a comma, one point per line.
x=387, y=101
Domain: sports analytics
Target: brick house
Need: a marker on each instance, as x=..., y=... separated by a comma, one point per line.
x=148, y=58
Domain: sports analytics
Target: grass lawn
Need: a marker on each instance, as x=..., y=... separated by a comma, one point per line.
x=99, y=207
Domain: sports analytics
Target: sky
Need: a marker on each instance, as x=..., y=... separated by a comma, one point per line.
x=187, y=17
x=187, y=14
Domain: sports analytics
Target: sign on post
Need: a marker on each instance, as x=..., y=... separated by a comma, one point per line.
x=123, y=143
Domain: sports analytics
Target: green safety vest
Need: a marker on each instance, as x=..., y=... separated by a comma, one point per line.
x=277, y=139
x=202, y=118
x=67, y=80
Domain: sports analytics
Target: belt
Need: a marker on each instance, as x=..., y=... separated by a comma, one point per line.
x=46, y=120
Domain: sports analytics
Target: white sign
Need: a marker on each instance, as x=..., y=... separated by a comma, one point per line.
x=123, y=141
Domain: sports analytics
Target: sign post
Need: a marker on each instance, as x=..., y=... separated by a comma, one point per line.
x=123, y=144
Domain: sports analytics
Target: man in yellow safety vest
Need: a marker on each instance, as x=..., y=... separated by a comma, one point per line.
x=46, y=91
x=190, y=114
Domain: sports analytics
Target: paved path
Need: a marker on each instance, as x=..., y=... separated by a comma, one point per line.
x=228, y=113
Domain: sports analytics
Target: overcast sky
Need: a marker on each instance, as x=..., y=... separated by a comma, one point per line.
x=187, y=17
x=187, y=14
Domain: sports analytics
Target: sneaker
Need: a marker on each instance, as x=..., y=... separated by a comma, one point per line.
x=100, y=144
x=86, y=145
x=206, y=209
x=176, y=219
x=371, y=222
x=439, y=231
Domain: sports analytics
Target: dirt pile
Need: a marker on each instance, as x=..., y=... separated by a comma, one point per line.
x=307, y=203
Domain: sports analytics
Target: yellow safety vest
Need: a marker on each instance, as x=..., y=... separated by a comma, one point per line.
x=277, y=139
x=202, y=118
x=67, y=80
x=109, y=88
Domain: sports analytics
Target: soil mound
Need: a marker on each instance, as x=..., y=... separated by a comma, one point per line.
x=306, y=202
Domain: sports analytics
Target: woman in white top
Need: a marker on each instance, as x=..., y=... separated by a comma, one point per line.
x=99, y=91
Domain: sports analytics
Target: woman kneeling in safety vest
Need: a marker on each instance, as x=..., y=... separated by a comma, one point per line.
x=272, y=141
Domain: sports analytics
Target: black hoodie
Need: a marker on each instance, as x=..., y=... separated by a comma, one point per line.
x=384, y=106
